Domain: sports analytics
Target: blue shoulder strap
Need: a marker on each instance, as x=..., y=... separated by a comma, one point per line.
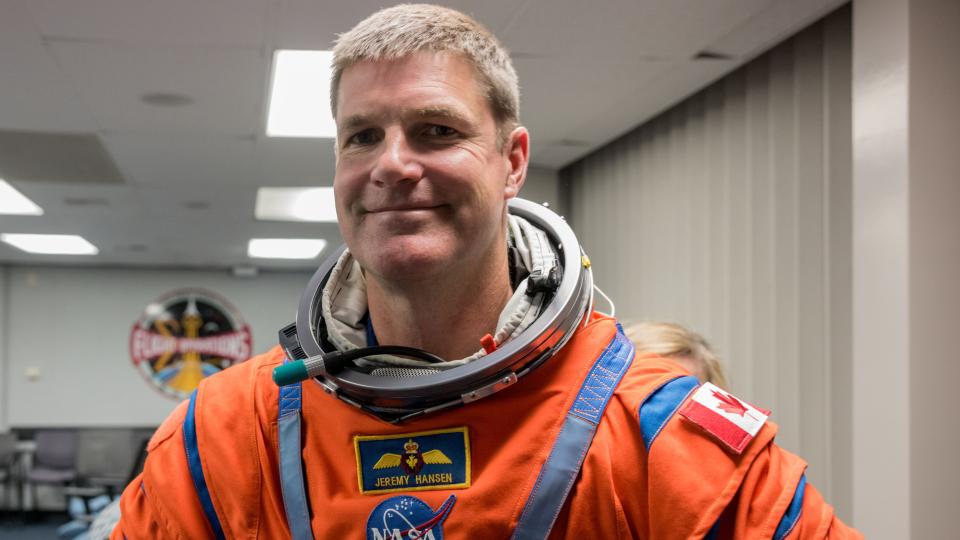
x=196, y=468
x=291, y=466
x=792, y=514
x=291, y=463
x=569, y=450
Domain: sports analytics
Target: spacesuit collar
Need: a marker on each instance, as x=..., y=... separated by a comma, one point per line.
x=344, y=299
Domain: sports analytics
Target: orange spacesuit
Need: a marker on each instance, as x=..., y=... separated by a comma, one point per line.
x=474, y=471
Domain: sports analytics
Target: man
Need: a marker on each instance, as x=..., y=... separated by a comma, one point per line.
x=577, y=442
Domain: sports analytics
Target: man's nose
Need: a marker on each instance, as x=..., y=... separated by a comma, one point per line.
x=397, y=161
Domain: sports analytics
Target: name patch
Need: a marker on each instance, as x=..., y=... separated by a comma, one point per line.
x=419, y=461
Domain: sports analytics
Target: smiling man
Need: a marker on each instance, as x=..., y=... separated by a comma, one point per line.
x=446, y=376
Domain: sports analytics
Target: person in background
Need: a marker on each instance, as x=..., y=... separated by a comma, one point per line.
x=683, y=346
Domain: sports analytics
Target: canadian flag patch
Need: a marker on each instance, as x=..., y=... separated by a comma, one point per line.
x=734, y=422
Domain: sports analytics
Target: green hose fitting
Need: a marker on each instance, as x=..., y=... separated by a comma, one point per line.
x=290, y=373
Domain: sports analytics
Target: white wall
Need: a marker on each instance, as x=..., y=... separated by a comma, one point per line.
x=73, y=324
x=935, y=265
x=906, y=263
x=881, y=254
x=4, y=345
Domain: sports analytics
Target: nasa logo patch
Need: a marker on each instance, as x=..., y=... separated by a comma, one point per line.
x=408, y=518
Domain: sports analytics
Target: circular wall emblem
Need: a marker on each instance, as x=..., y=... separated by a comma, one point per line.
x=187, y=335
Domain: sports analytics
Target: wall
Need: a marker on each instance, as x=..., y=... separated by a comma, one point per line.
x=906, y=261
x=730, y=213
x=935, y=265
x=934, y=233
x=4, y=345
x=881, y=257
x=73, y=325
x=541, y=186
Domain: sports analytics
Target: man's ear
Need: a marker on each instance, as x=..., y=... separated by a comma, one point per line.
x=517, y=153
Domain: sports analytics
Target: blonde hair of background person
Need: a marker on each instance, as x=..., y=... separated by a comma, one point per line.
x=684, y=346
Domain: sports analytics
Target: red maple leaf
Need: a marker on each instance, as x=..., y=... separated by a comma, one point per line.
x=730, y=404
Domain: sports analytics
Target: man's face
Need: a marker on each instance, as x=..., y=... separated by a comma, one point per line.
x=421, y=181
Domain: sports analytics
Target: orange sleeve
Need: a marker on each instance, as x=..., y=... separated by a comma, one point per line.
x=818, y=521
x=162, y=501
x=136, y=519
x=775, y=501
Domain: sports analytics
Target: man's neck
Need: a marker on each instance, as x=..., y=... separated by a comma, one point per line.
x=446, y=316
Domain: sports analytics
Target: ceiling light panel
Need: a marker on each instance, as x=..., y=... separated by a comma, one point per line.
x=300, y=95
x=295, y=204
x=285, y=248
x=50, y=244
x=15, y=203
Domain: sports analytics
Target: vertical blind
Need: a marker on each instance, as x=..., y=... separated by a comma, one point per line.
x=730, y=214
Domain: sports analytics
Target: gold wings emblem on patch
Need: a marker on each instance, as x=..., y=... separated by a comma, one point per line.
x=432, y=457
x=436, y=457
x=387, y=460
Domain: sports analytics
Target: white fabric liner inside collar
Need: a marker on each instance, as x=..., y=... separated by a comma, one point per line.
x=344, y=300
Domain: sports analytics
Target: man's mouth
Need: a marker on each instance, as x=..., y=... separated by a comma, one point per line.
x=403, y=208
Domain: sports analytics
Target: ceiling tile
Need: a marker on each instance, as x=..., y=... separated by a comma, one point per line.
x=71, y=203
x=184, y=160
x=768, y=27
x=76, y=158
x=560, y=96
x=35, y=94
x=625, y=29
x=225, y=85
x=180, y=22
x=309, y=24
x=198, y=204
x=295, y=162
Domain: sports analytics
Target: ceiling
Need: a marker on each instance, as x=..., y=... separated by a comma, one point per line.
x=155, y=185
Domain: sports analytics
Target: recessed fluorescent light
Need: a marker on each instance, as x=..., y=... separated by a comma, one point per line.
x=285, y=248
x=14, y=202
x=51, y=244
x=300, y=96
x=295, y=204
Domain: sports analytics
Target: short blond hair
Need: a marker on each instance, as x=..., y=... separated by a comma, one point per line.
x=402, y=30
x=671, y=340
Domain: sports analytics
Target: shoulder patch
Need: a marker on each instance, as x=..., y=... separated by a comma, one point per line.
x=731, y=421
x=660, y=406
